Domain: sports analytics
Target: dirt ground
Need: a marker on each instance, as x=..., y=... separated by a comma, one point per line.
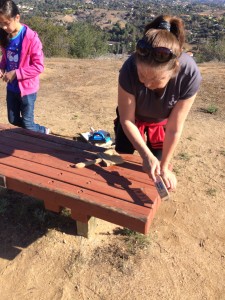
x=182, y=258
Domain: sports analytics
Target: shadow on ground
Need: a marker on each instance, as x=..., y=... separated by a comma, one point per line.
x=23, y=220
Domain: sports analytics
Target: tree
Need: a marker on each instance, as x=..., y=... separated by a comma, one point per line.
x=86, y=40
x=212, y=50
x=54, y=37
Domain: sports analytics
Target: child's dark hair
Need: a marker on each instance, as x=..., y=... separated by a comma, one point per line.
x=9, y=10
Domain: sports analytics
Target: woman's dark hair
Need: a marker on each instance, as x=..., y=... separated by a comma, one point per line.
x=176, y=27
x=9, y=10
x=164, y=31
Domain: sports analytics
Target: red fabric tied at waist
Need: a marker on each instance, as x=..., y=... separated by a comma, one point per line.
x=154, y=131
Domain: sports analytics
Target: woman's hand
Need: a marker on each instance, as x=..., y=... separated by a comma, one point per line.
x=151, y=166
x=169, y=179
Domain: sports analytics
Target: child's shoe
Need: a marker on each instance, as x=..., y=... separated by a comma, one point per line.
x=47, y=131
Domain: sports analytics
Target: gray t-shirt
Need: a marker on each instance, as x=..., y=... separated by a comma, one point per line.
x=149, y=106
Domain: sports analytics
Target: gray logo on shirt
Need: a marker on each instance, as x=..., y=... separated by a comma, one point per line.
x=172, y=102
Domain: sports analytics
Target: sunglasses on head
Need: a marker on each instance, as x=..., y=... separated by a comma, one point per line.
x=159, y=54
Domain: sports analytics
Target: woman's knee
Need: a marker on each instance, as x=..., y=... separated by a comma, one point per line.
x=120, y=148
x=122, y=143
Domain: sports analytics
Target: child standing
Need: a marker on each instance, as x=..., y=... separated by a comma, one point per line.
x=20, y=66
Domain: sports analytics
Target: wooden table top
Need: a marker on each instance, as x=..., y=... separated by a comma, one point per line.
x=43, y=166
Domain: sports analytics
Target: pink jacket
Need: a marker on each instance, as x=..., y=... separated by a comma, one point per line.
x=31, y=63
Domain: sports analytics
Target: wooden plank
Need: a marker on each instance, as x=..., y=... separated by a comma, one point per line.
x=129, y=193
x=128, y=170
x=83, y=203
x=42, y=166
x=47, y=141
x=16, y=131
x=88, y=195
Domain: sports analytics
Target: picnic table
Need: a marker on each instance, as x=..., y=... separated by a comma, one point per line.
x=43, y=166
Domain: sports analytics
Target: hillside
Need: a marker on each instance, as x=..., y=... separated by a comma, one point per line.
x=184, y=255
x=121, y=24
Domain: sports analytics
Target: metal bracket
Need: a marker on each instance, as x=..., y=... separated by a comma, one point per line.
x=2, y=181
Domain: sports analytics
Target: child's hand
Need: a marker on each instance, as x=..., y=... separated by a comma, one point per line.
x=9, y=76
x=2, y=71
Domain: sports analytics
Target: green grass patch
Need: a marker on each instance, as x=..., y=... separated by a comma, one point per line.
x=190, y=138
x=134, y=241
x=183, y=156
x=211, y=109
x=222, y=152
x=211, y=192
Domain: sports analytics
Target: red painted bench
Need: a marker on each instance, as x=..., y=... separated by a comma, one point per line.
x=42, y=166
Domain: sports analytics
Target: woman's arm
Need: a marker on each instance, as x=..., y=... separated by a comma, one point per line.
x=174, y=129
x=126, y=106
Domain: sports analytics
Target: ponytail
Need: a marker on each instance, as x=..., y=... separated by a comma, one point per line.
x=172, y=24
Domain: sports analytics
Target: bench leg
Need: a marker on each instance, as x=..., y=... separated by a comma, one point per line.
x=86, y=229
x=2, y=181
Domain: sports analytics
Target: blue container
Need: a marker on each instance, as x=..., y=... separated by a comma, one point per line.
x=99, y=137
